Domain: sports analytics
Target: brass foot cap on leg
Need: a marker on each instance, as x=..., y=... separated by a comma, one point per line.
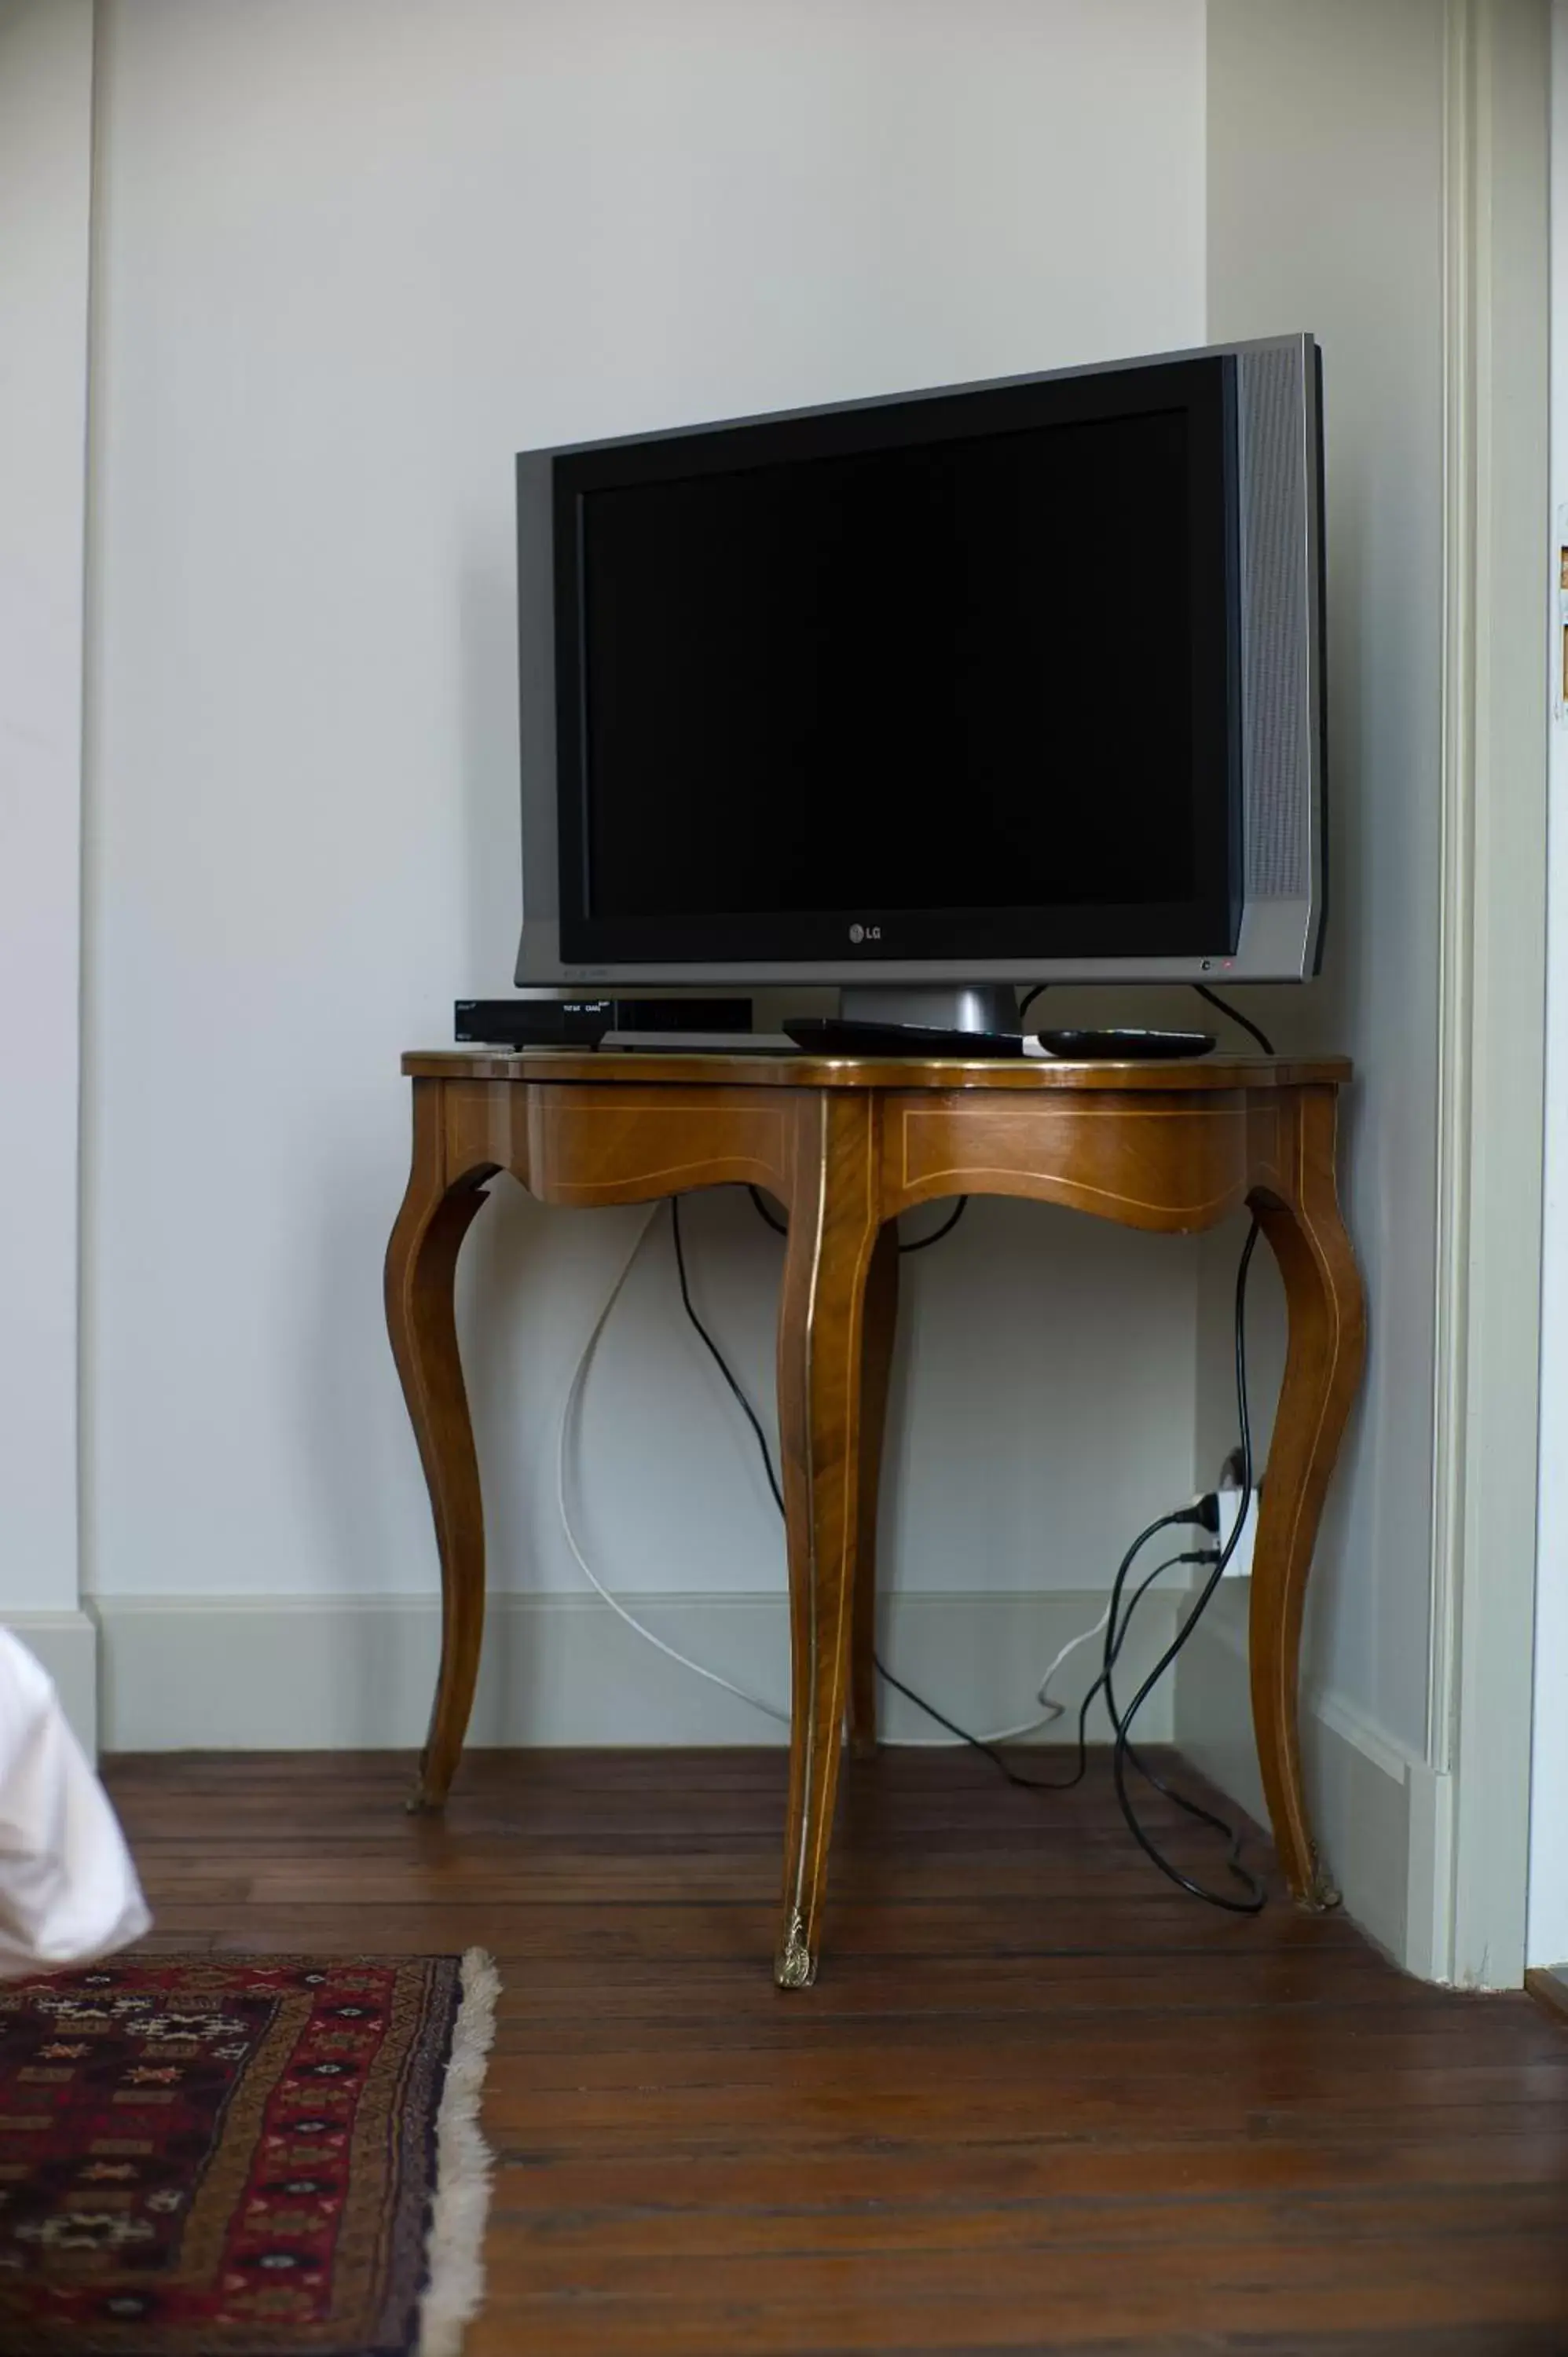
x=795, y=1967
x=1320, y=1897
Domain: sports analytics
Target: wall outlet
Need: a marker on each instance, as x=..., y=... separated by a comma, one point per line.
x=1238, y=1505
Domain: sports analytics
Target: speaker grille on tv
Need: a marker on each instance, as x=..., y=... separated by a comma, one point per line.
x=1277, y=689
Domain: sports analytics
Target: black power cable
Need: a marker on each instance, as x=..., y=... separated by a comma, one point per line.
x=1117, y=1622
x=1122, y=1750
x=759, y=1205
x=761, y=1438
x=1236, y=1015
x=718, y=1357
x=922, y=1243
x=1114, y=1642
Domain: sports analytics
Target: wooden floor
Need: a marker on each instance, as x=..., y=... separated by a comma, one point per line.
x=1039, y=2099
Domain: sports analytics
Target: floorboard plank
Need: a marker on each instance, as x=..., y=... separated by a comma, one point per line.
x=1039, y=2100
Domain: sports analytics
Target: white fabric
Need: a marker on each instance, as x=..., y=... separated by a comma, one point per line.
x=69, y=1893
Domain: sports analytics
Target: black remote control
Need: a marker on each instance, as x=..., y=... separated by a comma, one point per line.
x=1125, y=1047
x=844, y=1034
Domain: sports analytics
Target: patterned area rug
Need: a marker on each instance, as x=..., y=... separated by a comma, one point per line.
x=257, y=2157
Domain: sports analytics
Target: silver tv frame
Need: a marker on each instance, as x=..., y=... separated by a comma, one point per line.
x=1283, y=851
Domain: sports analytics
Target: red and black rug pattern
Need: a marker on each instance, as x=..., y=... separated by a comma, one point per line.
x=221, y=2158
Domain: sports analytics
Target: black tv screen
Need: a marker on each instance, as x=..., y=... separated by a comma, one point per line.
x=948, y=630
x=909, y=686
x=1015, y=680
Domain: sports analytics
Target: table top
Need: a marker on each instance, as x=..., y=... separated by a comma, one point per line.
x=612, y=1067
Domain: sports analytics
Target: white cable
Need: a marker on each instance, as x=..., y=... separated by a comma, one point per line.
x=1050, y=1708
x=569, y=1407
x=569, y=1410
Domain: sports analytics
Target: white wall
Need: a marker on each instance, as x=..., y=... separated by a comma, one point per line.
x=46, y=94
x=1326, y=147
x=1325, y=211
x=353, y=256
x=1548, y=1931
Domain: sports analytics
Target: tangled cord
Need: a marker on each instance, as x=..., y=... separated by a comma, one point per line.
x=1123, y=1751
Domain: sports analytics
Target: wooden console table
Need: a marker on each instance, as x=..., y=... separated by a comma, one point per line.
x=844, y=1146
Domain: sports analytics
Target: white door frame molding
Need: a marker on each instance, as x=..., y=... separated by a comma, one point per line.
x=1474, y=1850
x=1548, y=1934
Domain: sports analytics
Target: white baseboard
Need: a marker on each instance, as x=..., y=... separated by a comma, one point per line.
x=346, y=1673
x=1374, y=1804
x=67, y=1645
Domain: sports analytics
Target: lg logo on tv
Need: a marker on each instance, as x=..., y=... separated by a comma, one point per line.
x=865, y=932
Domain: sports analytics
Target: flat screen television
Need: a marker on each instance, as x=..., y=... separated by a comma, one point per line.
x=994, y=684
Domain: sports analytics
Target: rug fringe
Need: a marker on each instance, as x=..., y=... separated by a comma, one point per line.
x=453, y=2262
